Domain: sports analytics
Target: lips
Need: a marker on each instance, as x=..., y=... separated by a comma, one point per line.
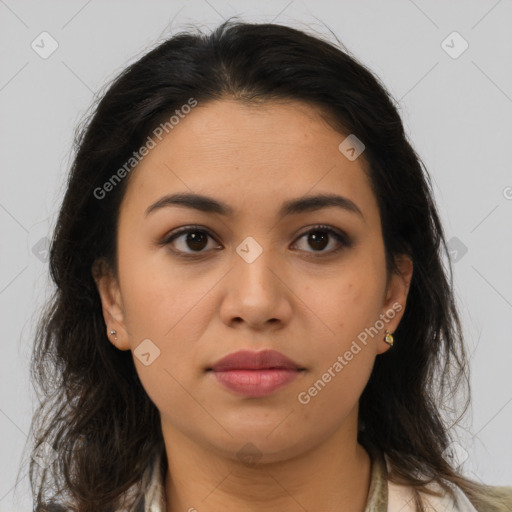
x=255, y=374
x=247, y=360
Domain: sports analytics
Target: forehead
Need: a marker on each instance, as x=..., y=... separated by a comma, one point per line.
x=257, y=154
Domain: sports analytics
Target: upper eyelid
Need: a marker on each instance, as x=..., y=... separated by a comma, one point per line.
x=185, y=229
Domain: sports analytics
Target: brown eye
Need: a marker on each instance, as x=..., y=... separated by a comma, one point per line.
x=321, y=237
x=318, y=239
x=189, y=240
x=196, y=240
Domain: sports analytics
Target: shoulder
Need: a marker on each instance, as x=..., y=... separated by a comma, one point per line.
x=401, y=498
x=504, y=492
x=501, y=496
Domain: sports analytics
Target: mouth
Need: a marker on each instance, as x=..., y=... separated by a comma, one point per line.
x=255, y=374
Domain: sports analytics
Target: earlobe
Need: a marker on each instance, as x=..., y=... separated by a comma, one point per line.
x=112, y=307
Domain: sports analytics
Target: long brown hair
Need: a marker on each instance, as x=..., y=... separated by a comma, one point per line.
x=95, y=415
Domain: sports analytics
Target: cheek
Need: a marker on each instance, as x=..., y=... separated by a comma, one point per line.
x=343, y=360
x=333, y=392
x=167, y=306
x=156, y=294
x=347, y=302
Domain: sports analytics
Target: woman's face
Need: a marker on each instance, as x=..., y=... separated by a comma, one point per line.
x=258, y=276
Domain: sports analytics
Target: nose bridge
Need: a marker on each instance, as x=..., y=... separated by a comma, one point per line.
x=252, y=267
x=254, y=292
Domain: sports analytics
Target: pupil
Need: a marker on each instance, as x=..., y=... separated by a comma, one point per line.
x=196, y=240
x=321, y=239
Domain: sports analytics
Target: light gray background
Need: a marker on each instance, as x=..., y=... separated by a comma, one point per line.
x=457, y=112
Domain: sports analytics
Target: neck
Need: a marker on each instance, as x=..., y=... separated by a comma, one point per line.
x=333, y=476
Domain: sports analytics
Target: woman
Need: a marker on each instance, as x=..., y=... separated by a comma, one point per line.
x=252, y=310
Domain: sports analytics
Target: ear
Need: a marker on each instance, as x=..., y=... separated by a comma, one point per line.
x=113, y=312
x=396, y=297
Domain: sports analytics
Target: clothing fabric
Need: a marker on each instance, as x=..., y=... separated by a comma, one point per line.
x=383, y=495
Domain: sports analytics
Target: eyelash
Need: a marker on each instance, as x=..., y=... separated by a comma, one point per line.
x=341, y=237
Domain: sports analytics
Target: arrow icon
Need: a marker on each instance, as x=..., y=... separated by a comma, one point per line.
x=456, y=249
x=249, y=245
x=147, y=352
x=454, y=45
x=44, y=45
x=351, y=147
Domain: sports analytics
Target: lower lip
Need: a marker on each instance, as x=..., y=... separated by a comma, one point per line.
x=256, y=383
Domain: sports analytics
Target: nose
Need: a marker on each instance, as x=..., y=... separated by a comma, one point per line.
x=256, y=294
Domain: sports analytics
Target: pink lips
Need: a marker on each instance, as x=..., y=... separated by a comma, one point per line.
x=255, y=374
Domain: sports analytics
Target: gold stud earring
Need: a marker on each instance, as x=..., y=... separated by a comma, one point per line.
x=388, y=338
x=113, y=333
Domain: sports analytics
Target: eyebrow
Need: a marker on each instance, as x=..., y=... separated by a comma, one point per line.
x=290, y=207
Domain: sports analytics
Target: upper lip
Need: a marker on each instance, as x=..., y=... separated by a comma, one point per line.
x=249, y=360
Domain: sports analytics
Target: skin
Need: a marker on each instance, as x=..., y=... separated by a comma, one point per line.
x=199, y=310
